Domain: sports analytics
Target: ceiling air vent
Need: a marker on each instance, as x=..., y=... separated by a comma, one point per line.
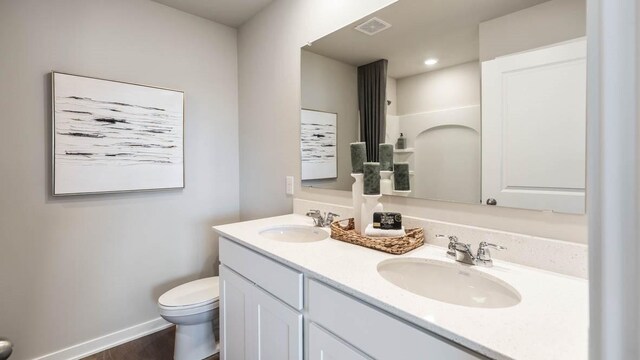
x=373, y=26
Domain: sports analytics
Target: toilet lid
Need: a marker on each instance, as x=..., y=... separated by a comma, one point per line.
x=192, y=293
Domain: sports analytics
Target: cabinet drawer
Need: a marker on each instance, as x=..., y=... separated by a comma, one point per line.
x=372, y=330
x=279, y=280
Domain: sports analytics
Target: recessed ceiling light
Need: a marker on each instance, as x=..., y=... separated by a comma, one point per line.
x=431, y=61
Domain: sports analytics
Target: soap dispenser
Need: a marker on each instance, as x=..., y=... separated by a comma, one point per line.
x=402, y=142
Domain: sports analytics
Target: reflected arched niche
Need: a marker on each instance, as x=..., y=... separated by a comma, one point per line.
x=447, y=164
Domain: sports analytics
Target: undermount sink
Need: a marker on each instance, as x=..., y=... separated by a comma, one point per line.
x=294, y=233
x=450, y=283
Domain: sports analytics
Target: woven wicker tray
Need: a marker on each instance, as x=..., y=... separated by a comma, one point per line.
x=344, y=230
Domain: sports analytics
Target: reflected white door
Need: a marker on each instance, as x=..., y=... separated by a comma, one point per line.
x=533, y=128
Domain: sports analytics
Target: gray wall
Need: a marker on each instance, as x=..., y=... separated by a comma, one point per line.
x=76, y=268
x=269, y=72
x=548, y=23
x=269, y=65
x=332, y=86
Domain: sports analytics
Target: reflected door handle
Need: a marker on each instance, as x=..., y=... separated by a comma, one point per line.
x=5, y=348
x=492, y=201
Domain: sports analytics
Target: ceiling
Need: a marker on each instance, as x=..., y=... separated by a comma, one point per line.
x=420, y=29
x=228, y=12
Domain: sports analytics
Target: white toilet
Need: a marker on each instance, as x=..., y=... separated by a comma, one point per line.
x=191, y=307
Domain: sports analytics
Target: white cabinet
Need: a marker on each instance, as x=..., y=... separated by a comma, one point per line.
x=254, y=324
x=533, y=128
x=325, y=346
x=261, y=305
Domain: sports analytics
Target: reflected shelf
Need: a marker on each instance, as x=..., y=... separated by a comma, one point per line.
x=403, y=151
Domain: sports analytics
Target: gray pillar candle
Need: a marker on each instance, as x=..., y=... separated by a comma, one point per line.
x=386, y=157
x=358, y=157
x=371, y=178
x=401, y=177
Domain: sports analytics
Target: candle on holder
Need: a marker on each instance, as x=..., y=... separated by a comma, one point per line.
x=401, y=177
x=386, y=157
x=371, y=178
x=358, y=157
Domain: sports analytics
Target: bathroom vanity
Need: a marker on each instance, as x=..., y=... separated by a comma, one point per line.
x=290, y=292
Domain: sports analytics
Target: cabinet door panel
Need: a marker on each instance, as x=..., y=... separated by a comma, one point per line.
x=278, y=328
x=235, y=305
x=325, y=346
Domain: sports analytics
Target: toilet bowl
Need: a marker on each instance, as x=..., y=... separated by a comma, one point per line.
x=191, y=307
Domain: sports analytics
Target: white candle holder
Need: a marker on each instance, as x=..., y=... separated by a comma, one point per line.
x=370, y=205
x=386, y=185
x=356, y=193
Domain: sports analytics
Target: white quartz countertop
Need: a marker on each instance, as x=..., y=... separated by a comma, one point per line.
x=550, y=322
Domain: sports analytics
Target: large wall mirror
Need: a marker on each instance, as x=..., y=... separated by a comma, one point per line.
x=488, y=97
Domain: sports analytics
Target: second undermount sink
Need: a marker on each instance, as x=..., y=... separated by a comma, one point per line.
x=295, y=233
x=449, y=283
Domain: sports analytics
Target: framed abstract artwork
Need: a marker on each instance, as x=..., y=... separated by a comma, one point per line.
x=318, y=143
x=111, y=136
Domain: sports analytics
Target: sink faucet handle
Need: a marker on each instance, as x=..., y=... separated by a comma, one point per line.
x=484, y=255
x=451, y=248
x=330, y=217
x=485, y=244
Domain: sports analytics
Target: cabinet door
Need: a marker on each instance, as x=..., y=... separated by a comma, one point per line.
x=534, y=128
x=277, y=328
x=235, y=309
x=325, y=346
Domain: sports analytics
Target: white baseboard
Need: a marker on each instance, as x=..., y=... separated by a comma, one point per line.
x=108, y=341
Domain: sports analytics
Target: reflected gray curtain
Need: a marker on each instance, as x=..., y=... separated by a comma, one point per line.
x=372, y=103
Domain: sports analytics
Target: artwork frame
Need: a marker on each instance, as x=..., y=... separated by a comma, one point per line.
x=139, y=142
x=326, y=148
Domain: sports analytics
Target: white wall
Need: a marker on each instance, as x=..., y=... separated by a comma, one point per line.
x=439, y=114
x=451, y=87
x=269, y=65
x=332, y=86
x=614, y=185
x=76, y=268
x=548, y=23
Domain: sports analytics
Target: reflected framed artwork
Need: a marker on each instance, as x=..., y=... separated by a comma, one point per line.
x=318, y=144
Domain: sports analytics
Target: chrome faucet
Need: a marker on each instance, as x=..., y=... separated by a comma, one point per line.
x=319, y=220
x=461, y=252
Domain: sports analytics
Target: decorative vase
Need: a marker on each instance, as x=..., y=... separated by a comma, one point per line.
x=386, y=185
x=370, y=205
x=356, y=193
